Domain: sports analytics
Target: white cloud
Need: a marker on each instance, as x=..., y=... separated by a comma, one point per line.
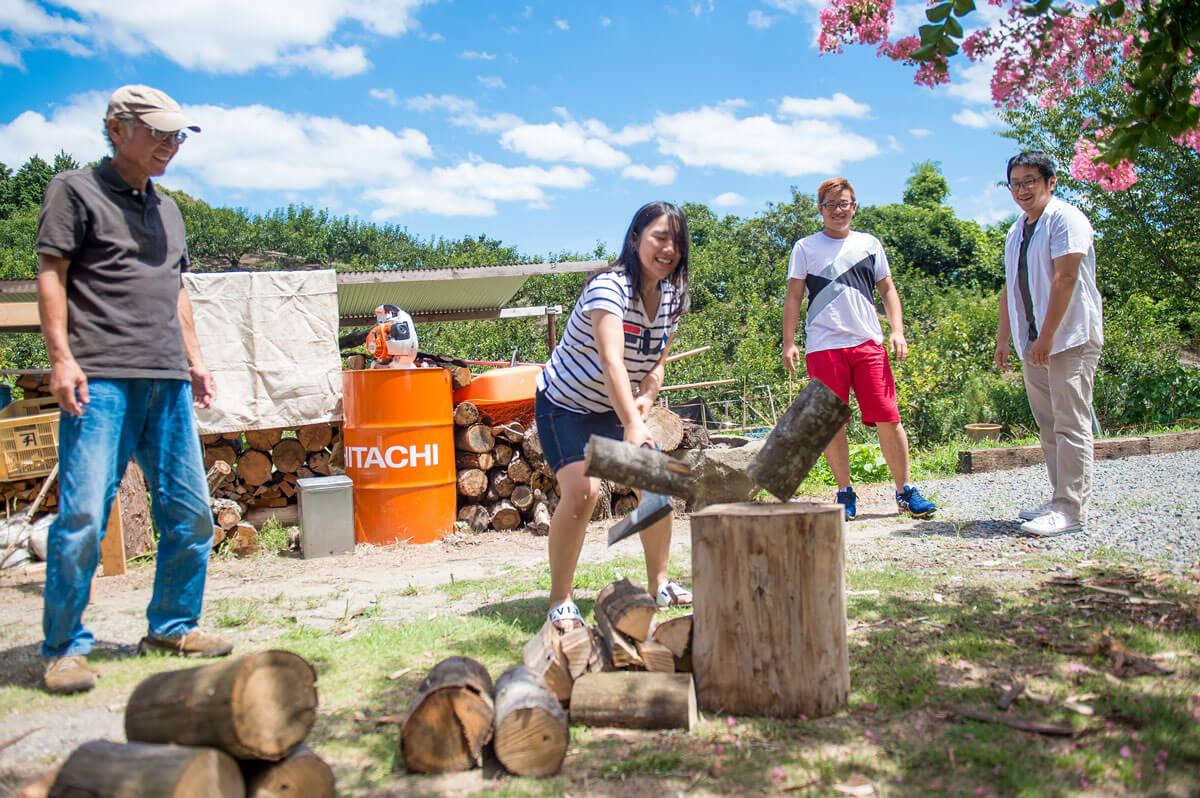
x=491, y=81
x=794, y=6
x=605, y=21
x=992, y=205
x=758, y=20
x=662, y=175
x=698, y=7
x=894, y=145
x=969, y=118
x=727, y=200
x=630, y=134
x=336, y=62
x=973, y=84
x=568, y=142
x=528, y=12
x=73, y=127
x=824, y=107
x=219, y=36
x=434, y=37
x=920, y=132
x=562, y=24
x=759, y=145
x=473, y=55
x=473, y=189
x=9, y=56
x=464, y=113
x=907, y=18
x=384, y=95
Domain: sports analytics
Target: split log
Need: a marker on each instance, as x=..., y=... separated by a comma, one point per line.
x=657, y=657
x=619, y=649
x=288, y=455
x=628, y=606
x=510, y=431
x=531, y=734
x=543, y=655
x=102, y=768
x=541, y=519
x=769, y=638
x=465, y=414
x=300, y=774
x=519, y=470
x=263, y=440
x=637, y=466
x=635, y=700
x=450, y=720
x=460, y=377
x=254, y=468
x=676, y=634
x=500, y=482
x=475, y=516
x=503, y=454
x=226, y=512
x=218, y=472
x=219, y=452
x=315, y=437
x=531, y=445
x=577, y=649
x=471, y=483
x=799, y=438
x=666, y=427
x=320, y=462
x=260, y=706
x=504, y=516
x=475, y=438
x=484, y=461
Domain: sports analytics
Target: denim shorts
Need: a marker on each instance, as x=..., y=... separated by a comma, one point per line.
x=564, y=434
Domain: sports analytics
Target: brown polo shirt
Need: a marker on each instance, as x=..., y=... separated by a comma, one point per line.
x=127, y=247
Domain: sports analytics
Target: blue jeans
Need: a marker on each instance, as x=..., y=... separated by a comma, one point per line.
x=151, y=419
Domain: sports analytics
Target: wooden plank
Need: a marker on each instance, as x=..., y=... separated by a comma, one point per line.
x=1174, y=442
x=975, y=461
x=1112, y=448
x=112, y=545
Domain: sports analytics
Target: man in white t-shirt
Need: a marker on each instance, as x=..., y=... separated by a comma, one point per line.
x=1050, y=307
x=840, y=269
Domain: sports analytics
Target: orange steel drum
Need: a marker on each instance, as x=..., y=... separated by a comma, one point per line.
x=399, y=450
x=505, y=394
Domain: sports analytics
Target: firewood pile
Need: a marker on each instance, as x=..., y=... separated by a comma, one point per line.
x=266, y=464
x=624, y=672
x=230, y=729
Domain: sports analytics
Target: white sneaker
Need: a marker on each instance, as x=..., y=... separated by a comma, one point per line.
x=1036, y=512
x=1051, y=524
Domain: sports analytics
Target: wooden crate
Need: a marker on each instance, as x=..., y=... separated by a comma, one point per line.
x=28, y=445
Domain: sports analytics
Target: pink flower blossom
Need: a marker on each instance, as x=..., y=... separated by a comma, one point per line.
x=1085, y=167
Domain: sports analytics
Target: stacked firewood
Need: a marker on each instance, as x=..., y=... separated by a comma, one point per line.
x=18, y=495
x=34, y=385
x=267, y=463
x=228, y=729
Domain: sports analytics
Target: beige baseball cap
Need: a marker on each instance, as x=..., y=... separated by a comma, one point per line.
x=151, y=106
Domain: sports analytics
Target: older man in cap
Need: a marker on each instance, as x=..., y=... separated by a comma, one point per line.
x=126, y=369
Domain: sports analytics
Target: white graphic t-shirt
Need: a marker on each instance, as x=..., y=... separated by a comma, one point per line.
x=840, y=276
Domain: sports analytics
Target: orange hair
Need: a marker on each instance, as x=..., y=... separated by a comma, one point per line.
x=834, y=184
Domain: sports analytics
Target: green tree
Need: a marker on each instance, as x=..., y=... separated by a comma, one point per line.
x=927, y=187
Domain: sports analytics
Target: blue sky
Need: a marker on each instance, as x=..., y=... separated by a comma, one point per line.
x=543, y=124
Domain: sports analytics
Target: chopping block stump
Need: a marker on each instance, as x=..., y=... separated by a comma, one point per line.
x=769, y=626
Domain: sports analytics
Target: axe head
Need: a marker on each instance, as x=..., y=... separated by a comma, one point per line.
x=650, y=510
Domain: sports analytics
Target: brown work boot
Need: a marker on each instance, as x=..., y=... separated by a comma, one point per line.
x=193, y=644
x=69, y=674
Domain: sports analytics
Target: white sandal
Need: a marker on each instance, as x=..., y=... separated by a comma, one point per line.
x=673, y=594
x=566, y=612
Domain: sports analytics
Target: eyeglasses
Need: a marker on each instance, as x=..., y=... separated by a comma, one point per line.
x=844, y=205
x=1018, y=185
x=175, y=137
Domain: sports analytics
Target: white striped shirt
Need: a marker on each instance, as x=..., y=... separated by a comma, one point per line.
x=573, y=379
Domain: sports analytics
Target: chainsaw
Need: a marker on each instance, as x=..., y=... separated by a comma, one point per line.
x=393, y=339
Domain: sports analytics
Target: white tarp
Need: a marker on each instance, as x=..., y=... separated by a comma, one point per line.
x=270, y=340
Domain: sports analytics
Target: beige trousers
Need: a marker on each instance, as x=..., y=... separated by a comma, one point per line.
x=1060, y=397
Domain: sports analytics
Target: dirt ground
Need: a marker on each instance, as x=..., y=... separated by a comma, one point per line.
x=322, y=590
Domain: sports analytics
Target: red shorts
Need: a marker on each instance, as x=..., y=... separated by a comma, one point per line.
x=866, y=367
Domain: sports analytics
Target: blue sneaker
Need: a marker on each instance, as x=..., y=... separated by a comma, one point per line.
x=912, y=502
x=849, y=499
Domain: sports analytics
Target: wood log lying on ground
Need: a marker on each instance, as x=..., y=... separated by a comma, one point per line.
x=103, y=769
x=638, y=467
x=259, y=706
x=475, y=516
x=799, y=438
x=301, y=774
x=531, y=734
x=628, y=606
x=505, y=515
x=632, y=700
x=450, y=720
x=657, y=657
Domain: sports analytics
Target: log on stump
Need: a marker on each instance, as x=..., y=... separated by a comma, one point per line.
x=471, y=483
x=676, y=634
x=450, y=720
x=769, y=624
x=254, y=468
x=315, y=437
x=102, y=769
x=465, y=414
x=505, y=516
x=798, y=440
x=475, y=438
x=543, y=655
x=475, y=516
x=628, y=607
x=637, y=466
x=666, y=427
x=301, y=774
x=635, y=700
x=263, y=440
x=484, y=461
x=531, y=734
x=259, y=706
x=288, y=455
